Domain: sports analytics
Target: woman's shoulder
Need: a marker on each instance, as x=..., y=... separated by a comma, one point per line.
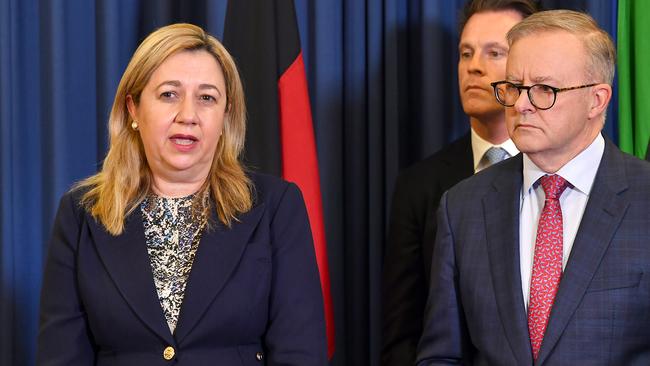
x=266, y=181
x=74, y=196
x=71, y=210
x=72, y=199
x=271, y=190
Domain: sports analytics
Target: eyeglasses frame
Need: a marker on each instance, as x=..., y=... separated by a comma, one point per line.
x=527, y=88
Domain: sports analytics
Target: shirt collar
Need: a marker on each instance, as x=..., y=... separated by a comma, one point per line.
x=480, y=146
x=579, y=171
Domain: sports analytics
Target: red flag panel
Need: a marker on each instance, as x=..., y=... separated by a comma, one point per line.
x=300, y=165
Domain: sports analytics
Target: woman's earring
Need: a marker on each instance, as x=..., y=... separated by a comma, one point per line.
x=134, y=125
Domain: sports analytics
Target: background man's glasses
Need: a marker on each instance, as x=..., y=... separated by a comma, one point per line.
x=541, y=96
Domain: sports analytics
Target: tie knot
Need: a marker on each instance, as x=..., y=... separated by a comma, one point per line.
x=496, y=154
x=553, y=186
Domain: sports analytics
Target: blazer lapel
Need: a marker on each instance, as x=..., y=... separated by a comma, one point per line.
x=603, y=213
x=127, y=263
x=216, y=258
x=501, y=212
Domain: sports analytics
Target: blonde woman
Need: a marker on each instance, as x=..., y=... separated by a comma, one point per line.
x=173, y=253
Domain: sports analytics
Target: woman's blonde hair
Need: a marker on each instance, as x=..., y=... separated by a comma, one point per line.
x=125, y=178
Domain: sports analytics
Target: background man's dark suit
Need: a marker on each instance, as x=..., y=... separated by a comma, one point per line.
x=602, y=309
x=411, y=236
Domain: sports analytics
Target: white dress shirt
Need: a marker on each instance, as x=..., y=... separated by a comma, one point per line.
x=580, y=172
x=480, y=146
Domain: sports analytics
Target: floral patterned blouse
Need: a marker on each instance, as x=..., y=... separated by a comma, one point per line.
x=172, y=237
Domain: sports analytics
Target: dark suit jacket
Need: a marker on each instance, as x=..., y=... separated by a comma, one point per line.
x=476, y=314
x=253, y=288
x=411, y=235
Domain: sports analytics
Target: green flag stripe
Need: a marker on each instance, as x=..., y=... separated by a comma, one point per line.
x=634, y=76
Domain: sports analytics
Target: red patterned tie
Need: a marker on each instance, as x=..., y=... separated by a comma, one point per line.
x=547, y=263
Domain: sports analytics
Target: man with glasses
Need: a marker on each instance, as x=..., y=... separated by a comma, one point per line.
x=483, y=53
x=544, y=259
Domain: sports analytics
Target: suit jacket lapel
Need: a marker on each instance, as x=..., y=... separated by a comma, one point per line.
x=217, y=257
x=127, y=262
x=501, y=212
x=604, y=211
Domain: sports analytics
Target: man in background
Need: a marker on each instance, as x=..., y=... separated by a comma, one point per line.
x=483, y=53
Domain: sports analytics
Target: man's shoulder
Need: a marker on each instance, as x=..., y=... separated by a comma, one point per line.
x=455, y=156
x=637, y=166
x=620, y=170
x=637, y=171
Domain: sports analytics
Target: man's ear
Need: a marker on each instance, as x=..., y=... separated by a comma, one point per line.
x=600, y=97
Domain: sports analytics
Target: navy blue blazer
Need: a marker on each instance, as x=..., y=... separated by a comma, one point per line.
x=253, y=296
x=601, y=315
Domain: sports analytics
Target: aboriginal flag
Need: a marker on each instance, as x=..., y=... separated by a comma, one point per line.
x=262, y=36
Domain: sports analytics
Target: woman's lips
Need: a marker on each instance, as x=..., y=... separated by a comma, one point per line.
x=184, y=142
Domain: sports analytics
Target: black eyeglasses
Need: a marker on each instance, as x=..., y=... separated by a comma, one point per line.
x=541, y=96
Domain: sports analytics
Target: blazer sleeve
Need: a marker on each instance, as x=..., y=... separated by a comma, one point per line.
x=63, y=338
x=296, y=331
x=403, y=282
x=444, y=337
